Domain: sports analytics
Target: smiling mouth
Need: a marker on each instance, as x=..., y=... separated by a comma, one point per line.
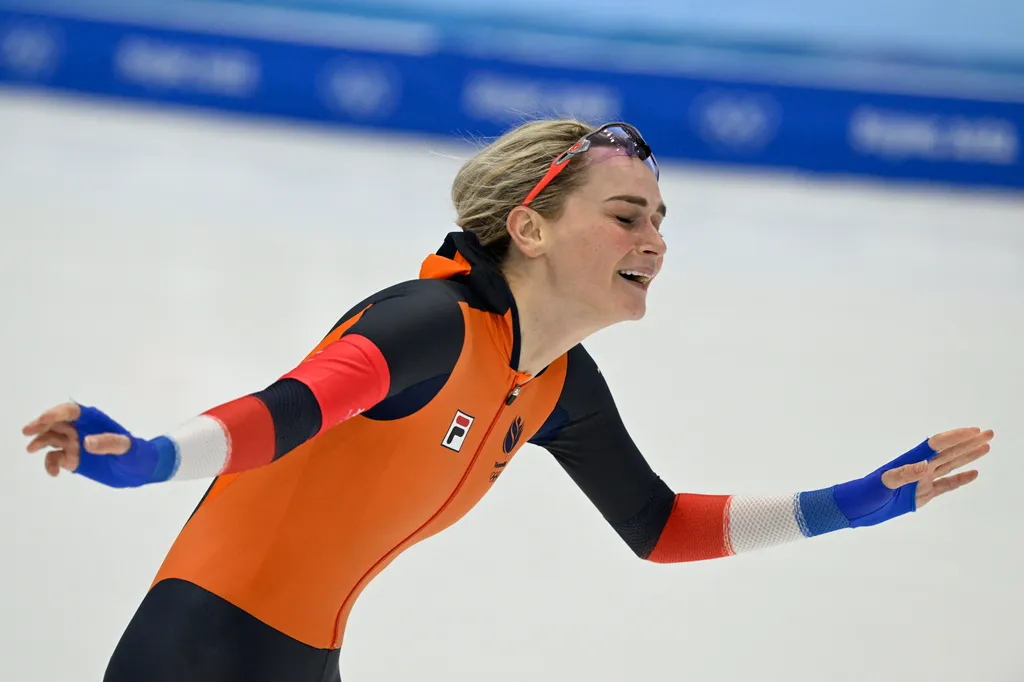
x=638, y=278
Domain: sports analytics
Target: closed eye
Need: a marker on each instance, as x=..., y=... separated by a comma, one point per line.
x=625, y=220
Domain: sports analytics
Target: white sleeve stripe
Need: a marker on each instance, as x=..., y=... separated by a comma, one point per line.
x=203, y=448
x=759, y=522
x=227, y=444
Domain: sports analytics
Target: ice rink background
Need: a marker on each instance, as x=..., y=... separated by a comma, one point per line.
x=803, y=332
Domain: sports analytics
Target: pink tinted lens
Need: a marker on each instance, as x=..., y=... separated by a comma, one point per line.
x=610, y=141
x=617, y=141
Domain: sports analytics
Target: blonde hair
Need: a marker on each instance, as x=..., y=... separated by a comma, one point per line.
x=501, y=175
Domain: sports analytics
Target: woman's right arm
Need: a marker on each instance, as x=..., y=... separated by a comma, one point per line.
x=397, y=342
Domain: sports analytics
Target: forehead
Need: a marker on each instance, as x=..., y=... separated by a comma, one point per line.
x=621, y=175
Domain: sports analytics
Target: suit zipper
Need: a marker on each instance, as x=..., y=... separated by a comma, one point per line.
x=514, y=391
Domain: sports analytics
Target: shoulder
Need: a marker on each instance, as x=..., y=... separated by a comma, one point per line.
x=418, y=327
x=584, y=382
x=584, y=397
x=412, y=301
x=581, y=362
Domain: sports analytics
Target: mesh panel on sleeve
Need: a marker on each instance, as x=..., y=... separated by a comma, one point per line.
x=295, y=412
x=759, y=522
x=820, y=514
x=641, y=531
x=203, y=448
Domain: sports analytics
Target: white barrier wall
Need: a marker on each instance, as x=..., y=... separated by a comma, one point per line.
x=802, y=334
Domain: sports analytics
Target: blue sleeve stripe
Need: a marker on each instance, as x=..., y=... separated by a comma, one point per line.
x=819, y=514
x=551, y=428
x=167, y=459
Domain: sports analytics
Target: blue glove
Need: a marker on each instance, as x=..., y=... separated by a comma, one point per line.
x=147, y=461
x=867, y=501
x=864, y=501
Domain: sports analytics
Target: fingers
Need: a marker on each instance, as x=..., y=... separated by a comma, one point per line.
x=952, y=464
x=901, y=476
x=108, y=444
x=60, y=459
x=951, y=483
x=65, y=412
x=53, y=429
x=68, y=457
x=50, y=439
x=948, y=439
x=945, y=485
x=964, y=444
x=101, y=444
x=962, y=448
x=61, y=435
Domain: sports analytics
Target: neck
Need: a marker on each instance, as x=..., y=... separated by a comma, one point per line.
x=546, y=330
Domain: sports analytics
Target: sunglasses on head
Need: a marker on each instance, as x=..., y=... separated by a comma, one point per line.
x=611, y=139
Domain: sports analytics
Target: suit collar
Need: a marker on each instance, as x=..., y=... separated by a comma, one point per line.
x=463, y=259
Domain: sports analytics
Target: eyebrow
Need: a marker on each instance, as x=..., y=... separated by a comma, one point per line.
x=634, y=199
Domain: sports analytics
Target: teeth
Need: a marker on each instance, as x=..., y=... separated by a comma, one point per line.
x=643, y=278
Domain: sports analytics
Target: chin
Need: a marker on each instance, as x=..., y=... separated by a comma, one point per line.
x=632, y=310
x=637, y=313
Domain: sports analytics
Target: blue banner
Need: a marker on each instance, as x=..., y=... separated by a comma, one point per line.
x=429, y=86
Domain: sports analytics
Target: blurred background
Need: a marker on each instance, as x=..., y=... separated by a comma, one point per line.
x=192, y=192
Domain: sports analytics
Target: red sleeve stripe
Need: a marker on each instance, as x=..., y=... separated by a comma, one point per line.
x=347, y=378
x=697, y=529
x=250, y=433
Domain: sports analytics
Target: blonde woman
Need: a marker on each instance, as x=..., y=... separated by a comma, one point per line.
x=408, y=411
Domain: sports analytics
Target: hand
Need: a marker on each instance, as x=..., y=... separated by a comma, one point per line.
x=955, y=449
x=913, y=479
x=93, y=445
x=54, y=428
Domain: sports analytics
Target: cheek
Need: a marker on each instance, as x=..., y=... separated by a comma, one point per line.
x=591, y=255
x=598, y=263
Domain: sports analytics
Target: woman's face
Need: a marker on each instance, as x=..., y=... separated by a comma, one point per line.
x=606, y=247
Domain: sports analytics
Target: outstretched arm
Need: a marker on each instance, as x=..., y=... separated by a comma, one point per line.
x=714, y=526
x=588, y=439
x=412, y=334
x=346, y=378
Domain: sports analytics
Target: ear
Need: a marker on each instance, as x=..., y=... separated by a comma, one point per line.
x=526, y=228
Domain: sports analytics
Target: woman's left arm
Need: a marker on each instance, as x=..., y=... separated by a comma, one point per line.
x=586, y=436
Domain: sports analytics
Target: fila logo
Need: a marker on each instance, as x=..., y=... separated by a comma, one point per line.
x=457, y=431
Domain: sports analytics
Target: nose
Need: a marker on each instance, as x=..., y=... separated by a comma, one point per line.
x=653, y=243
